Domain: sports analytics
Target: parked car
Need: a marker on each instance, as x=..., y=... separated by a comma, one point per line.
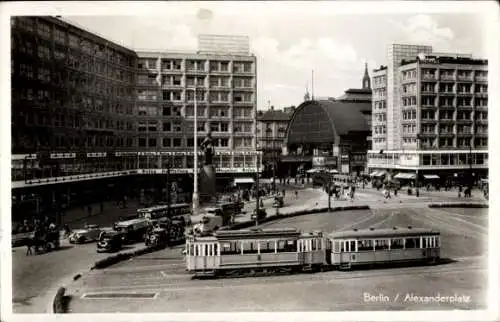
x=88, y=234
x=111, y=241
x=262, y=214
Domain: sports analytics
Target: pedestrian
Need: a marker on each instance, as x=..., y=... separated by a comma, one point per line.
x=283, y=193
x=296, y=194
x=395, y=192
x=417, y=192
x=459, y=191
x=29, y=247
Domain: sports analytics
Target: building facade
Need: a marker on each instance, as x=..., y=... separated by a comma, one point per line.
x=331, y=132
x=440, y=130
x=85, y=108
x=225, y=87
x=271, y=131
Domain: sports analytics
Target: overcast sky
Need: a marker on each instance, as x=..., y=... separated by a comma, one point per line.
x=291, y=39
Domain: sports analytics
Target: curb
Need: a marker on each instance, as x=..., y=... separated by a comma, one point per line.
x=295, y=213
x=459, y=205
x=111, y=260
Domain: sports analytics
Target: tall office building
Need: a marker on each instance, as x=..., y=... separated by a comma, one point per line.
x=225, y=87
x=86, y=108
x=430, y=115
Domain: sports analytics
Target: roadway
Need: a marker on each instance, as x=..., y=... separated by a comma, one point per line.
x=34, y=277
x=162, y=275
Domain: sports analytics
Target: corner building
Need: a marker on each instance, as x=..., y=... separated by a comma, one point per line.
x=95, y=121
x=437, y=127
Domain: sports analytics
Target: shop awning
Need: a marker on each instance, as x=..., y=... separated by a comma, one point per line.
x=406, y=176
x=243, y=180
x=431, y=176
x=377, y=174
x=333, y=171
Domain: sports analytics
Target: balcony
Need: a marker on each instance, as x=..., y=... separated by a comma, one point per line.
x=481, y=94
x=481, y=78
x=464, y=78
x=447, y=78
x=447, y=93
x=429, y=77
x=464, y=93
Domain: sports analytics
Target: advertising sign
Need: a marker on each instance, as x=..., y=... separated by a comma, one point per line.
x=318, y=161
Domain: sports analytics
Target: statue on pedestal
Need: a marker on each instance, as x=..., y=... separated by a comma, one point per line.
x=208, y=148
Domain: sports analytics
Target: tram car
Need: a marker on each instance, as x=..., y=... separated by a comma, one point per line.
x=242, y=252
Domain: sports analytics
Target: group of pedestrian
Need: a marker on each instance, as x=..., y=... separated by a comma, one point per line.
x=41, y=228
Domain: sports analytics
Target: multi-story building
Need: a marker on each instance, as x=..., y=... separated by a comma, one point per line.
x=271, y=131
x=438, y=117
x=85, y=108
x=225, y=87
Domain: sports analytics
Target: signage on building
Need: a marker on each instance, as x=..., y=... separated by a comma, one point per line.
x=318, y=161
x=345, y=157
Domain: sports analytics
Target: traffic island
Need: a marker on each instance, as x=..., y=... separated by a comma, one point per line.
x=59, y=304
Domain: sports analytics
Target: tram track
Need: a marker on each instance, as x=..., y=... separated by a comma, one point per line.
x=450, y=224
x=326, y=278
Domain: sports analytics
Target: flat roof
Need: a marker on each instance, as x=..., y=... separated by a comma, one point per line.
x=257, y=233
x=383, y=232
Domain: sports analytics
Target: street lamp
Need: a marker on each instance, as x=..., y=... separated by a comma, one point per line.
x=257, y=202
x=418, y=138
x=196, y=197
x=470, y=166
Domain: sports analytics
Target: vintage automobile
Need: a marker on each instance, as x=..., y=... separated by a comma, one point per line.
x=262, y=214
x=157, y=236
x=110, y=241
x=88, y=234
x=278, y=201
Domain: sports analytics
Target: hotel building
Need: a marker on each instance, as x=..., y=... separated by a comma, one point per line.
x=430, y=116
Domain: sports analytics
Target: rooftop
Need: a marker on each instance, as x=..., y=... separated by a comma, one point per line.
x=275, y=115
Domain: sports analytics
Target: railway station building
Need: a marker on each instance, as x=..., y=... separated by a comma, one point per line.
x=331, y=133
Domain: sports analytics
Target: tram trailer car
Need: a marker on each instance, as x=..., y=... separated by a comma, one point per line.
x=239, y=252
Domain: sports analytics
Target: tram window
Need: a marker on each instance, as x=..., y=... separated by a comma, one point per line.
x=336, y=246
x=365, y=244
x=281, y=246
x=191, y=250
x=266, y=247
x=381, y=244
x=412, y=243
x=352, y=246
x=291, y=246
x=215, y=249
x=436, y=238
x=397, y=243
x=342, y=246
x=230, y=249
x=313, y=244
x=424, y=242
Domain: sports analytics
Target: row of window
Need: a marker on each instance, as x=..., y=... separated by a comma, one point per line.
x=195, y=65
x=201, y=95
x=63, y=37
x=451, y=72
x=379, y=129
x=340, y=246
x=380, y=104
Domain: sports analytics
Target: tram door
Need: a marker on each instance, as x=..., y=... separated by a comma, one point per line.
x=344, y=252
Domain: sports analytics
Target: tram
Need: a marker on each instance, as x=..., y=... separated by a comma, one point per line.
x=242, y=252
